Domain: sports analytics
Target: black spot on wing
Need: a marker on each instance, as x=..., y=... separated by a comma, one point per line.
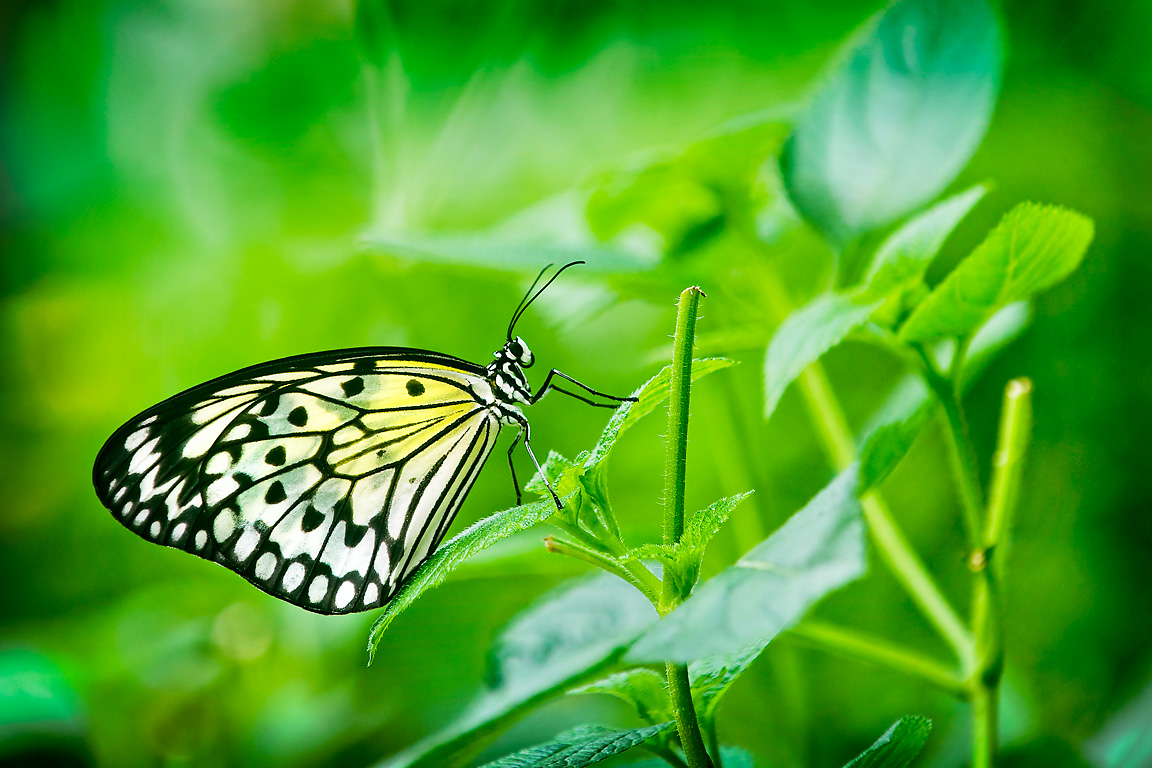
x=353, y=387
x=277, y=456
x=415, y=387
x=298, y=416
x=313, y=518
x=276, y=493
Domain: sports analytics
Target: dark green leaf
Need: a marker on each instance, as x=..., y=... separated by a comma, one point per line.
x=643, y=688
x=804, y=336
x=1033, y=248
x=820, y=549
x=899, y=745
x=449, y=556
x=887, y=445
x=569, y=635
x=898, y=118
x=579, y=747
x=902, y=259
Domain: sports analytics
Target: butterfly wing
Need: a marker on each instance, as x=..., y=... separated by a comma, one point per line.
x=323, y=479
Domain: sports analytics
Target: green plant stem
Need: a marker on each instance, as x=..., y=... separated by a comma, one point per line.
x=675, y=470
x=987, y=619
x=649, y=587
x=960, y=450
x=840, y=448
x=861, y=646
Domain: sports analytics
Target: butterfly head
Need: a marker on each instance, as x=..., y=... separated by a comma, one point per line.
x=517, y=350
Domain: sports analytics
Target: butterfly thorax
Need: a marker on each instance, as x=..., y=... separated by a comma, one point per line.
x=506, y=373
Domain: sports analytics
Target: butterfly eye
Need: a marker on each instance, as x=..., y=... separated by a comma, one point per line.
x=523, y=355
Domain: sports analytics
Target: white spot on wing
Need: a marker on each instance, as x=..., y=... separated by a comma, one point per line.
x=293, y=577
x=155, y=528
x=201, y=539
x=318, y=589
x=178, y=531
x=247, y=544
x=238, y=432
x=371, y=593
x=265, y=566
x=224, y=525
x=220, y=489
x=344, y=594
x=144, y=457
x=219, y=463
x=136, y=439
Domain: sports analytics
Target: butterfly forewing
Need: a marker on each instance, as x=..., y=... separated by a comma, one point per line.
x=323, y=479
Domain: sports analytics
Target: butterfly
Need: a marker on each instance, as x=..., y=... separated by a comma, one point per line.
x=325, y=479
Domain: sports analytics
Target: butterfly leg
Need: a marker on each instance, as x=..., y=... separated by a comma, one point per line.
x=548, y=386
x=512, y=466
x=526, y=433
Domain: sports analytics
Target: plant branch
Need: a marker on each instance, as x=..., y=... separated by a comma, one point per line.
x=861, y=646
x=650, y=588
x=675, y=470
x=962, y=455
x=840, y=448
x=987, y=619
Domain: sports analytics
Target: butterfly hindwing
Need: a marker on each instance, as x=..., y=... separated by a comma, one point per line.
x=323, y=479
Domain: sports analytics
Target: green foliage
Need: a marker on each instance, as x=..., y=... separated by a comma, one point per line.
x=889, y=442
x=693, y=195
x=451, y=554
x=1033, y=248
x=819, y=549
x=805, y=335
x=645, y=689
x=683, y=558
x=898, y=267
x=898, y=117
x=567, y=636
x=579, y=747
x=898, y=747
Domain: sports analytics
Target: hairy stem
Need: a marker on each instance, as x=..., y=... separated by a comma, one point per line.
x=675, y=469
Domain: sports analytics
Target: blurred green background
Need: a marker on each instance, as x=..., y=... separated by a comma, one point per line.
x=191, y=186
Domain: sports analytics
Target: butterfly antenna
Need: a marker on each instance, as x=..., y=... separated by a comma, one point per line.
x=520, y=306
x=530, y=297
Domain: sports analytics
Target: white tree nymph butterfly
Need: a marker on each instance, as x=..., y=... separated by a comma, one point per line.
x=324, y=479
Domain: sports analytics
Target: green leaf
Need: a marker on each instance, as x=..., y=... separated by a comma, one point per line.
x=820, y=549
x=569, y=635
x=1125, y=741
x=899, y=745
x=649, y=397
x=643, y=688
x=898, y=118
x=902, y=259
x=582, y=746
x=687, y=197
x=734, y=757
x=448, y=557
x=1033, y=248
x=804, y=336
x=887, y=445
x=685, y=556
